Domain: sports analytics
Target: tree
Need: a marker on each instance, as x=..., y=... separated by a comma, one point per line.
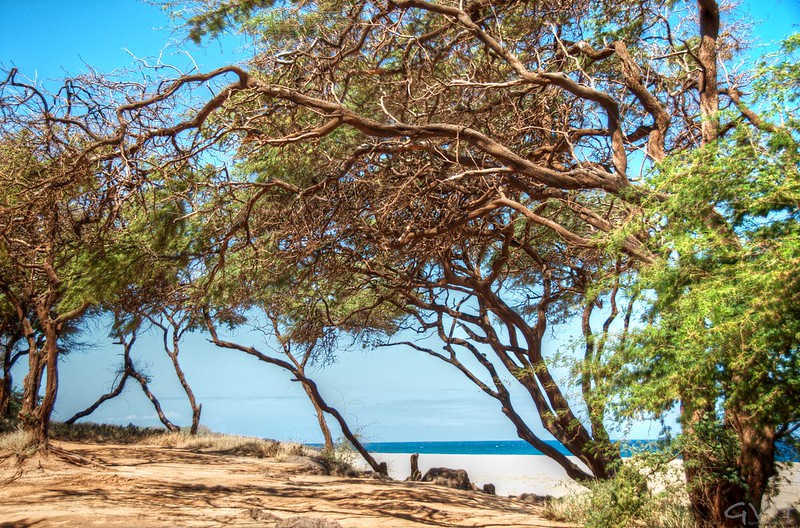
x=469, y=162
x=467, y=165
x=174, y=322
x=10, y=353
x=301, y=319
x=296, y=365
x=721, y=334
x=45, y=231
x=125, y=330
x=72, y=163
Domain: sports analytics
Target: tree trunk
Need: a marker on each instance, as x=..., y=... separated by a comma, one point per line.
x=717, y=499
x=150, y=396
x=5, y=396
x=6, y=385
x=116, y=391
x=323, y=425
x=315, y=395
x=33, y=380
x=707, y=55
x=757, y=458
x=45, y=411
x=196, y=409
x=308, y=384
x=415, y=475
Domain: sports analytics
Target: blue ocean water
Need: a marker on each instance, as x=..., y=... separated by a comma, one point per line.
x=517, y=447
x=481, y=447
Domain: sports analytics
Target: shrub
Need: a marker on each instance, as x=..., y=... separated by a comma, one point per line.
x=639, y=495
x=17, y=443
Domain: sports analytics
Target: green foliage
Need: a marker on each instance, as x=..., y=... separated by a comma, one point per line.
x=215, y=18
x=720, y=330
x=726, y=310
x=642, y=493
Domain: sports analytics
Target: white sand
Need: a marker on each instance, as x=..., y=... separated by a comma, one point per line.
x=517, y=474
x=511, y=474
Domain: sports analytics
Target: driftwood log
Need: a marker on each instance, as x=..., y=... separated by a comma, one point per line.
x=415, y=473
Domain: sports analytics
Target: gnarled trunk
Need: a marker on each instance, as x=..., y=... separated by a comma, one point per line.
x=196, y=408
x=41, y=426
x=720, y=499
x=323, y=425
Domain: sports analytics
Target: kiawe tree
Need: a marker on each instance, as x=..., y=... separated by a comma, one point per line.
x=46, y=251
x=721, y=333
x=72, y=164
x=10, y=353
x=473, y=161
x=302, y=321
x=470, y=161
x=468, y=165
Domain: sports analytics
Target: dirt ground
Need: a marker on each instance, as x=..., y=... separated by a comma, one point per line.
x=135, y=485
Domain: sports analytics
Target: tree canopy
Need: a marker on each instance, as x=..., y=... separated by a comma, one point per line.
x=470, y=174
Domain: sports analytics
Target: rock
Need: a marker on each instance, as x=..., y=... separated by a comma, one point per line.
x=306, y=522
x=532, y=498
x=451, y=478
x=291, y=522
x=489, y=488
x=307, y=465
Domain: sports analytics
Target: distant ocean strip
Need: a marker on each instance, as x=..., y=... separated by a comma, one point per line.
x=517, y=447
x=482, y=447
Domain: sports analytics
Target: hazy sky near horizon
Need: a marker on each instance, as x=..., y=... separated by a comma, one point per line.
x=389, y=395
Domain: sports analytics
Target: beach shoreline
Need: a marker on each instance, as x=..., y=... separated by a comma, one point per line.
x=513, y=475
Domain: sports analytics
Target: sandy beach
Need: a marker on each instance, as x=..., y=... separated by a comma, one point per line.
x=147, y=486
x=143, y=485
x=511, y=474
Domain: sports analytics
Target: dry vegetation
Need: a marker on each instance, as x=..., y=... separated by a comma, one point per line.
x=205, y=440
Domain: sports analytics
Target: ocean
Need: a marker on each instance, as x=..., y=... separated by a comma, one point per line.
x=518, y=447
x=482, y=447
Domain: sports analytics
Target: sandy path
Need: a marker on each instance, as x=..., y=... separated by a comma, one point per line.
x=153, y=486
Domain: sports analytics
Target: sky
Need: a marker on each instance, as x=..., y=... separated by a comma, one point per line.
x=386, y=394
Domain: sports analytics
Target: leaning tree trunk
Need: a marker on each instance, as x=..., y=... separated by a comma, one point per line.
x=308, y=384
x=314, y=394
x=156, y=404
x=323, y=425
x=196, y=408
x=116, y=391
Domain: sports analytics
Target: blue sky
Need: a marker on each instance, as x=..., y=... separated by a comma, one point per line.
x=389, y=395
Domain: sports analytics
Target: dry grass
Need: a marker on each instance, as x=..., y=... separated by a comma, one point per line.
x=229, y=444
x=102, y=433
x=204, y=440
x=17, y=443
